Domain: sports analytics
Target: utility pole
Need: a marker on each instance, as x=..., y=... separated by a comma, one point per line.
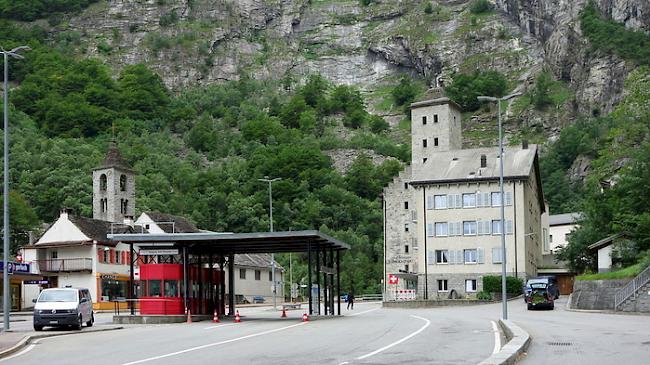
x=270, y=181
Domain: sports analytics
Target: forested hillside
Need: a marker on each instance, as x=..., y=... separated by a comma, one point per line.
x=203, y=98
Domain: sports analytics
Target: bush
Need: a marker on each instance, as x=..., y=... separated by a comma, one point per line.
x=378, y=124
x=480, y=7
x=405, y=91
x=540, y=95
x=466, y=88
x=428, y=9
x=492, y=284
x=484, y=295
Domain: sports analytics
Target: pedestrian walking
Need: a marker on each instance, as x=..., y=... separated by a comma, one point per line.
x=350, y=301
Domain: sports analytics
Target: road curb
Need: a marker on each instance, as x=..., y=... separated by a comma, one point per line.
x=518, y=342
x=27, y=338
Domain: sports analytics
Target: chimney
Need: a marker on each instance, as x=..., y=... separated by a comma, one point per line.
x=67, y=211
x=524, y=144
x=483, y=161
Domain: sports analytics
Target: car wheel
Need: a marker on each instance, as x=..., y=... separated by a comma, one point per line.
x=92, y=320
x=38, y=328
x=79, y=324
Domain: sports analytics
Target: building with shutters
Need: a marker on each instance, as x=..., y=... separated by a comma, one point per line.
x=442, y=213
x=75, y=250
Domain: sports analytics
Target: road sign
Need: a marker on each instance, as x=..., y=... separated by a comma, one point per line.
x=392, y=279
x=16, y=267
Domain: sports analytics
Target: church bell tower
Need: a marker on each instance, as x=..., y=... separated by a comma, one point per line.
x=113, y=188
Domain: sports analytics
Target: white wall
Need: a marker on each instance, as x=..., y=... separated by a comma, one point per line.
x=63, y=231
x=605, y=259
x=250, y=287
x=558, y=234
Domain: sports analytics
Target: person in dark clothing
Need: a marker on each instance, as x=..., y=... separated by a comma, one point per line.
x=350, y=301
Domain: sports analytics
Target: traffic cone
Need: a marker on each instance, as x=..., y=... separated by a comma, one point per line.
x=284, y=313
x=215, y=318
x=237, y=318
x=189, y=316
x=305, y=317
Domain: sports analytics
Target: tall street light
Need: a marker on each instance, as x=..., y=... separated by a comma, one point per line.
x=6, y=306
x=270, y=181
x=503, y=221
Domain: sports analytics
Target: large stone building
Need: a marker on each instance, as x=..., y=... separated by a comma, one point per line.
x=442, y=213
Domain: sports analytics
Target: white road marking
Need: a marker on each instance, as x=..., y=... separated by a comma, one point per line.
x=360, y=313
x=24, y=351
x=497, y=338
x=428, y=322
x=214, y=344
x=219, y=326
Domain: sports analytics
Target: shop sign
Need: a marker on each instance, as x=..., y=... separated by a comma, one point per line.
x=108, y=276
x=158, y=251
x=39, y=282
x=16, y=267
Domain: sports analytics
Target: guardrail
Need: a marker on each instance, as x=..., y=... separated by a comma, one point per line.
x=632, y=288
x=65, y=265
x=370, y=297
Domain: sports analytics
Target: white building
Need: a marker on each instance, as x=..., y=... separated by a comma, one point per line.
x=75, y=250
x=442, y=213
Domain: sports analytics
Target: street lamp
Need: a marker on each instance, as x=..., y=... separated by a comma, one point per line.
x=270, y=181
x=503, y=221
x=6, y=307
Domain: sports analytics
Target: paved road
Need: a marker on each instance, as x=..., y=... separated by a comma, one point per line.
x=367, y=335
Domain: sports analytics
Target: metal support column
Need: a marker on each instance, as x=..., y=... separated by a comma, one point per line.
x=231, y=285
x=331, y=265
x=318, y=275
x=131, y=279
x=221, y=297
x=186, y=289
x=325, y=296
x=338, y=281
x=199, y=307
x=211, y=306
x=311, y=310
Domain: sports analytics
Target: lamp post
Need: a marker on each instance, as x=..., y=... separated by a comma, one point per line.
x=503, y=221
x=270, y=181
x=6, y=306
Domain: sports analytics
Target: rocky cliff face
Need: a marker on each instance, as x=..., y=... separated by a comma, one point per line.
x=597, y=80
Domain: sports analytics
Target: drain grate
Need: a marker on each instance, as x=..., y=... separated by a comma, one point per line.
x=559, y=343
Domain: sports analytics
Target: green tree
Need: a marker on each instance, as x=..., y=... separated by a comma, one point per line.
x=22, y=219
x=143, y=94
x=466, y=88
x=405, y=92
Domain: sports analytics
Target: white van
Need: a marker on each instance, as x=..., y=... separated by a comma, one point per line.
x=58, y=307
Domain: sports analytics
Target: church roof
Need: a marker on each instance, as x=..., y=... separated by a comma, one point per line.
x=114, y=159
x=181, y=224
x=97, y=229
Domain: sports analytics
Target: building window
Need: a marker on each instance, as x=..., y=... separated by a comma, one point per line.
x=270, y=275
x=406, y=248
x=440, y=202
x=470, y=285
x=455, y=229
x=102, y=182
x=483, y=227
x=406, y=227
x=441, y=229
x=496, y=199
x=469, y=228
x=442, y=256
x=242, y=274
x=122, y=182
x=54, y=254
x=435, y=118
x=406, y=205
x=424, y=160
x=406, y=268
x=550, y=238
x=471, y=256
x=258, y=275
x=435, y=141
x=497, y=257
x=424, y=120
x=406, y=186
x=442, y=285
x=469, y=200
x=424, y=143
x=496, y=226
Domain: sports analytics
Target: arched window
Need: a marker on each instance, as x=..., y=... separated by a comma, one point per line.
x=102, y=182
x=122, y=182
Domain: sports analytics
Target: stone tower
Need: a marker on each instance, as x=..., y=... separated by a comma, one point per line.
x=435, y=127
x=113, y=188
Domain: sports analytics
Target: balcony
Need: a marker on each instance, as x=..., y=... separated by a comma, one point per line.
x=65, y=265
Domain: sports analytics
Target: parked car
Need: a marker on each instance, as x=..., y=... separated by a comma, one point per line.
x=539, y=296
x=550, y=281
x=61, y=307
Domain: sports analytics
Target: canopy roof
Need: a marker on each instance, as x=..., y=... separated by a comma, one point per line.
x=236, y=243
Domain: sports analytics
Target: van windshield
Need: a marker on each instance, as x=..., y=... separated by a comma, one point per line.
x=58, y=296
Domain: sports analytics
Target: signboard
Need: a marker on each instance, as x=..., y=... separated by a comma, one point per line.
x=158, y=251
x=40, y=282
x=392, y=279
x=16, y=267
x=400, y=259
x=408, y=294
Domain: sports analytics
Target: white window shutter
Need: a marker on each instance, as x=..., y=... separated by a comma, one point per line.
x=480, y=256
x=452, y=257
x=508, y=198
x=429, y=202
x=429, y=230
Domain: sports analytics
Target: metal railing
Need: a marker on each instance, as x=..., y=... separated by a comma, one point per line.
x=631, y=289
x=65, y=265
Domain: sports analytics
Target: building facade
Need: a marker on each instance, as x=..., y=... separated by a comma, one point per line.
x=446, y=207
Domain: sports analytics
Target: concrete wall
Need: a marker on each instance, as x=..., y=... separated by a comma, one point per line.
x=595, y=294
x=641, y=303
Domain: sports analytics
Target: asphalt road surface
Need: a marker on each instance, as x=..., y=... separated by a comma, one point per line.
x=367, y=335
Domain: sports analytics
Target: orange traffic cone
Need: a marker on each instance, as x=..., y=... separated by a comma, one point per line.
x=237, y=318
x=305, y=317
x=215, y=318
x=284, y=313
x=189, y=316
